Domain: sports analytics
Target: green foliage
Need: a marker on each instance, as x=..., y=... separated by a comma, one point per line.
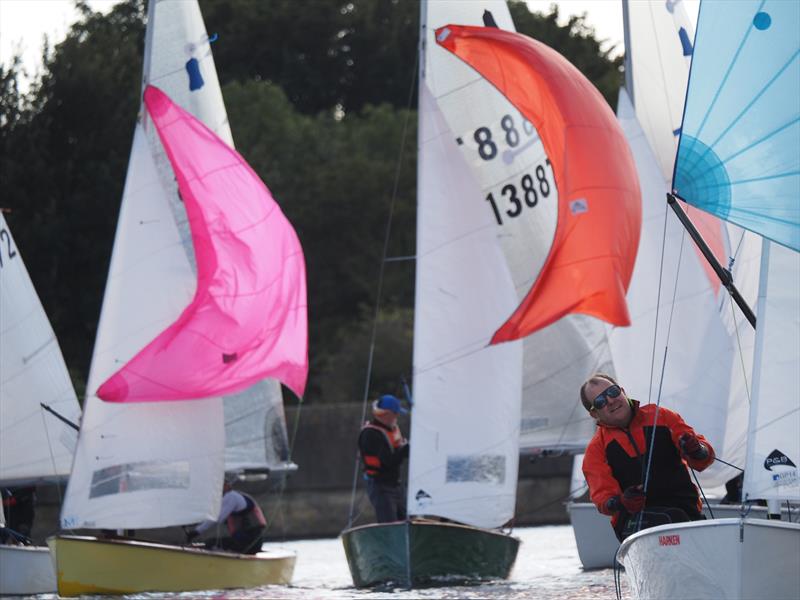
x=317, y=94
x=322, y=53
x=333, y=179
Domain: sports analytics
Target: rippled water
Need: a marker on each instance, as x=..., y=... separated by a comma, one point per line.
x=547, y=568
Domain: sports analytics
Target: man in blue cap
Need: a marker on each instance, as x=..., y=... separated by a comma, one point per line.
x=383, y=449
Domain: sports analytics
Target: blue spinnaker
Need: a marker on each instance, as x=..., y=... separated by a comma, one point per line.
x=739, y=152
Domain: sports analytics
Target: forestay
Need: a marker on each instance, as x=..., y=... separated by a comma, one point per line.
x=34, y=444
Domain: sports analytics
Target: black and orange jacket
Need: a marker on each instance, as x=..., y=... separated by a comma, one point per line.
x=382, y=451
x=250, y=517
x=616, y=458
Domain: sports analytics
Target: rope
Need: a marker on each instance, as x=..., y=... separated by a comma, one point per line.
x=282, y=488
x=386, y=238
x=702, y=493
x=663, y=369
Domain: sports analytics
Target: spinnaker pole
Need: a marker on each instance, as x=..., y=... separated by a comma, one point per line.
x=724, y=274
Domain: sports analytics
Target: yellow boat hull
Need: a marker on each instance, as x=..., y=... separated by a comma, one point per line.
x=89, y=565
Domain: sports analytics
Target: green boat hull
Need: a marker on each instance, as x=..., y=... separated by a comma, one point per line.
x=427, y=553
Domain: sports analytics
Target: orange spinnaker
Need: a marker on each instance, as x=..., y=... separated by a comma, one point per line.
x=591, y=260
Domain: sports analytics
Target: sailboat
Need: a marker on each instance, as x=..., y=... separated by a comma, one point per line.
x=739, y=158
x=690, y=304
x=180, y=357
x=493, y=199
x=37, y=407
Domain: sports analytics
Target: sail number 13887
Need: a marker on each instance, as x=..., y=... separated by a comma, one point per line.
x=514, y=197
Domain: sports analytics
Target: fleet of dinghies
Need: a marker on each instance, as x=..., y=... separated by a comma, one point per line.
x=545, y=252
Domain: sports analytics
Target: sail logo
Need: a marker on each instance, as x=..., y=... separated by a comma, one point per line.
x=579, y=206
x=777, y=459
x=669, y=540
x=423, y=498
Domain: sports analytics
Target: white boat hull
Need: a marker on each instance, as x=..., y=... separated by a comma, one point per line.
x=26, y=570
x=597, y=543
x=721, y=559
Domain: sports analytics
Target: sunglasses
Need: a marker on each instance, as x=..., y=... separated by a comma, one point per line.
x=602, y=399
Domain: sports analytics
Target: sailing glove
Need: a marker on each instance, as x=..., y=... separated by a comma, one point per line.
x=633, y=499
x=692, y=448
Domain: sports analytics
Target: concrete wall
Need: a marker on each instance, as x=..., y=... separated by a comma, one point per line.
x=315, y=501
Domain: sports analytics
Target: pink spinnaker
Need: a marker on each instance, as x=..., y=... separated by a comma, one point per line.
x=248, y=318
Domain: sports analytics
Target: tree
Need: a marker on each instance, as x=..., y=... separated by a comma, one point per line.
x=317, y=96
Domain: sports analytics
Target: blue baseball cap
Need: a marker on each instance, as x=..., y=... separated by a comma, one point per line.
x=389, y=402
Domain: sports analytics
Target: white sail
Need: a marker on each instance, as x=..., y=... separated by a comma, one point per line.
x=148, y=464
x=464, y=430
x=158, y=464
x=773, y=451
x=179, y=61
x=701, y=355
x=709, y=349
x=34, y=444
x=507, y=160
x=658, y=46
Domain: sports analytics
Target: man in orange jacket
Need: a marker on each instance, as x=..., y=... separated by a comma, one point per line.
x=618, y=455
x=383, y=450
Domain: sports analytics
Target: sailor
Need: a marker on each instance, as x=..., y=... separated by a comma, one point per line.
x=383, y=449
x=618, y=456
x=244, y=520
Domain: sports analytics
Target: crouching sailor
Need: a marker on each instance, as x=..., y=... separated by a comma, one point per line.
x=244, y=519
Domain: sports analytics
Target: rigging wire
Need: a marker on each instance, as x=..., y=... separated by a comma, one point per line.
x=664, y=361
x=384, y=260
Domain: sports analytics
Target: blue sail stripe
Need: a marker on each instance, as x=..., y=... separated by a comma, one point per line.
x=765, y=138
x=743, y=181
x=761, y=92
x=727, y=74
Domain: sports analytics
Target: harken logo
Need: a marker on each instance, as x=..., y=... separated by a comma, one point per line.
x=777, y=459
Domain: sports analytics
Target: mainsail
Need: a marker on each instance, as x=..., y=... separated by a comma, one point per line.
x=34, y=444
x=157, y=464
x=505, y=157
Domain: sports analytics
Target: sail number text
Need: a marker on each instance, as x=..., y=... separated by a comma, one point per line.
x=5, y=246
x=487, y=146
x=512, y=199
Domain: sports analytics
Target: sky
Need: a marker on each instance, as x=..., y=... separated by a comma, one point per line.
x=24, y=23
